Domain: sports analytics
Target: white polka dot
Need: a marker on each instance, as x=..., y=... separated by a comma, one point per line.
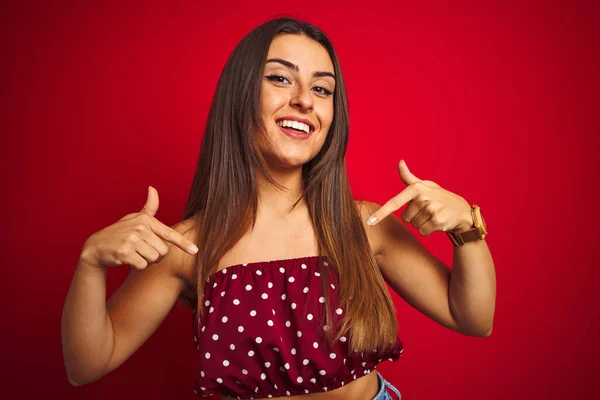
x=273, y=311
x=258, y=339
x=267, y=364
x=364, y=363
x=240, y=329
x=332, y=356
x=244, y=372
x=303, y=266
x=207, y=303
x=313, y=380
x=294, y=351
x=250, y=353
x=332, y=286
x=233, y=276
x=215, y=285
x=211, y=309
x=322, y=372
x=309, y=317
x=305, y=290
x=325, y=328
x=283, y=296
x=253, y=313
x=317, y=274
x=236, y=302
x=287, y=366
x=232, y=347
x=315, y=345
x=276, y=349
x=225, y=363
x=263, y=376
x=222, y=293
x=321, y=299
x=299, y=379
x=224, y=319
x=259, y=272
x=288, y=324
x=339, y=311
x=299, y=334
x=203, y=328
x=270, y=323
x=265, y=296
x=224, y=270
x=287, y=392
x=215, y=337
x=248, y=287
x=202, y=373
x=219, y=380
x=343, y=339
x=207, y=355
x=293, y=306
x=325, y=263
x=305, y=362
x=282, y=270
x=291, y=279
x=270, y=285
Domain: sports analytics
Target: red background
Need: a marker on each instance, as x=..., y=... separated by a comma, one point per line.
x=495, y=101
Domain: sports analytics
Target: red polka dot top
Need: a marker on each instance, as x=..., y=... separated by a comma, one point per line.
x=261, y=332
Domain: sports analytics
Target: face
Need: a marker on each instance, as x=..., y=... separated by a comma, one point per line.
x=297, y=86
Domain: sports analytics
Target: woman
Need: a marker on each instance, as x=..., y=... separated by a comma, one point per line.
x=293, y=298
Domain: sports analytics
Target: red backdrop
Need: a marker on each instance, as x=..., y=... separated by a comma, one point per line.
x=497, y=102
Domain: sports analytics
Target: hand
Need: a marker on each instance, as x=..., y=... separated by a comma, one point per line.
x=137, y=239
x=430, y=207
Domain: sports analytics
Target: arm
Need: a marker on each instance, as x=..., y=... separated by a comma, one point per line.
x=461, y=299
x=97, y=336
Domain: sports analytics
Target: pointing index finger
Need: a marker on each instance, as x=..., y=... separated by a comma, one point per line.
x=395, y=203
x=171, y=235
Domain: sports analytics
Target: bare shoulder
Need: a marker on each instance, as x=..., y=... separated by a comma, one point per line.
x=366, y=209
x=184, y=266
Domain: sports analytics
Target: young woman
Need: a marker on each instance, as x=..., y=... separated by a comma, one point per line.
x=288, y=288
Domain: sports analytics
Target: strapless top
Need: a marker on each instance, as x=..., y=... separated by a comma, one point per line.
x=261, y=332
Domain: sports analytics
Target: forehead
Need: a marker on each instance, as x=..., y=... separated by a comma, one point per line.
x=308, y=54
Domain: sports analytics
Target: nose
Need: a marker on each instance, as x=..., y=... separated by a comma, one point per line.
x=302, y=98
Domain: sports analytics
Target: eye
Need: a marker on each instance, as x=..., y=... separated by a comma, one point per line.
x=321, y=90
x=277, y=78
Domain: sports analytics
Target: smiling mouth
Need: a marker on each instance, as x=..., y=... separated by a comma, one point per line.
x=298, y=126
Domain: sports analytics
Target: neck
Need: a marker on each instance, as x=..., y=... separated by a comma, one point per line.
x=277, y=203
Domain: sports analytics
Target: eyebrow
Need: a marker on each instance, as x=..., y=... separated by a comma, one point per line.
x=294, y=67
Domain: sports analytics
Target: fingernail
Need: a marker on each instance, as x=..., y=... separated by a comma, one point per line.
x=193, y=248
x=371, y=220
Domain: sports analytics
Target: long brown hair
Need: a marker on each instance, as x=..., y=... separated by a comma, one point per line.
x=224, y=191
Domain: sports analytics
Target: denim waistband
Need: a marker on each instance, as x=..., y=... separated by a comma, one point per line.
x=383, y=386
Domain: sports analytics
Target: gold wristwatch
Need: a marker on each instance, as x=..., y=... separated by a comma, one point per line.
x=478, y=232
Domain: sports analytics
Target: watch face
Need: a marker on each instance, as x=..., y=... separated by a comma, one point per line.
x=479, y=222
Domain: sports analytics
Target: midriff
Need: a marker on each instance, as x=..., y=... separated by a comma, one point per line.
x=365, y=387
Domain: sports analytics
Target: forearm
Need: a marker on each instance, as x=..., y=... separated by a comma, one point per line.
x=85, y=326
x=472, y=291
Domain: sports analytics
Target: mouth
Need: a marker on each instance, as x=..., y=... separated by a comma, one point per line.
x=295, y=133
x=299, y=127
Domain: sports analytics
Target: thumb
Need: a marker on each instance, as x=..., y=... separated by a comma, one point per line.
x=405, y=174
x=151, y=206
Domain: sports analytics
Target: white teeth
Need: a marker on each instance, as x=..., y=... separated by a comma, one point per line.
x=295, y=125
